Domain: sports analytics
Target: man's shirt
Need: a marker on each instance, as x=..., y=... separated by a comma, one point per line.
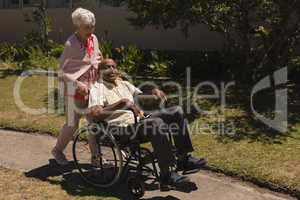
x=104, y=93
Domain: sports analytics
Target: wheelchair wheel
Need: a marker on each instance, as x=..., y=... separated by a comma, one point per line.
x=109, y=162
x=136, y=186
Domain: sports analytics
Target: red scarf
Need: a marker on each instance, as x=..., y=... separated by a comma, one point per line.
x=89, y=46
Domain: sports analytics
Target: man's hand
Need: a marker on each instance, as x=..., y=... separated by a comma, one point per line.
x=130, y=105
x=95, y=111
x=160, y=94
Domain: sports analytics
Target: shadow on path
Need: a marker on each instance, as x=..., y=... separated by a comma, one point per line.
x=70, y=180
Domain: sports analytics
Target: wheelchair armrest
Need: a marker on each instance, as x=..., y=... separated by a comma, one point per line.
x=134, y=115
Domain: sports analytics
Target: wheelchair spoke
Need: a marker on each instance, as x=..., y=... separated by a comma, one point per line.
x=106, y=169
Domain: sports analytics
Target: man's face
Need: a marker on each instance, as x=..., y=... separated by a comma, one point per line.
x=109, y=71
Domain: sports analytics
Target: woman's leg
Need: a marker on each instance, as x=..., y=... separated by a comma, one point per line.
x=71, y=125
x=93, y=145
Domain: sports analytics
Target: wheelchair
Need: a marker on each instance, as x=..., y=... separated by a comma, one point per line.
x=116, y=159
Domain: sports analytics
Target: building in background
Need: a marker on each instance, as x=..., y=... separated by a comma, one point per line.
x=110, y=19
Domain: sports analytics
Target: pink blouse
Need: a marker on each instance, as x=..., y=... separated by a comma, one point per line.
x=79, y=62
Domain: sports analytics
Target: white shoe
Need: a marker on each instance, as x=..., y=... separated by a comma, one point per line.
x=59, y=157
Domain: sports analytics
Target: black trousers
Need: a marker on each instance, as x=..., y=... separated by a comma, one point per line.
x=156, y=129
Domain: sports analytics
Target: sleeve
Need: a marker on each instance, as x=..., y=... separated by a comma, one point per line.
x=96, y=97
x=133, y=90
x=65, y=54
x=62, y=59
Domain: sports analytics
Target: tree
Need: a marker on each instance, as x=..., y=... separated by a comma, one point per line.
x=39, y=17
x=261, y=34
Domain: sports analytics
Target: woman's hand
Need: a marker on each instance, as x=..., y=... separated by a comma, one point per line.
x=82, y=88
x=99, y=58
x=160, y=94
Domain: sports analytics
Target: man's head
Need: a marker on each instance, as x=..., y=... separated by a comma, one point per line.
x=108, y=70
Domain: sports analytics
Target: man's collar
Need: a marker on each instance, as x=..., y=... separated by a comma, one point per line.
x=109, y=84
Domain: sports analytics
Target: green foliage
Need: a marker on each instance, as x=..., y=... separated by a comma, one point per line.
x=38, y=59
x=8, y=52
x=56, y=50
x=159, y=65
x=29, y=57
x=130, y=59
x=261, y=35
x=106, y=48
x=40, y=36
x=12, y=53
x=134, y=61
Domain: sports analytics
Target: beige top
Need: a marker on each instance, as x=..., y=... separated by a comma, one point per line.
x=103, y=93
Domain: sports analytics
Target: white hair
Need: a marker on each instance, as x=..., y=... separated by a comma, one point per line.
x=83, y=16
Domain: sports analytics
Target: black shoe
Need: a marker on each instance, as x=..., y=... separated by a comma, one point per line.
x=172, y=179
x=190, y=163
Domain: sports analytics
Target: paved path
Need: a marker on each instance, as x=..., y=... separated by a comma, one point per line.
x=28, y=152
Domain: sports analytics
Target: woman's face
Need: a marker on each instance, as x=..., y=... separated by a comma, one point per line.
x=86, y=30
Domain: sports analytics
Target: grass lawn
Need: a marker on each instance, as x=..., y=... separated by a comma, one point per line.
x=254, y=153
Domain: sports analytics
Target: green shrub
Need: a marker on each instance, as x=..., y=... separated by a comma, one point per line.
x=8, y=52
x=131, y=59
x=56, y=50
x=38, y=59
x=106, y=48
x=159, y=65
x=135, y=61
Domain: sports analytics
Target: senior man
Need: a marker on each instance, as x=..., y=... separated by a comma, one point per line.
x=111, y=94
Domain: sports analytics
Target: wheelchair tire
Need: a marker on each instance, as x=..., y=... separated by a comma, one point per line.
x=97, y=176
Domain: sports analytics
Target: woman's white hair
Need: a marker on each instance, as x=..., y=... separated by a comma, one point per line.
x=83, y=16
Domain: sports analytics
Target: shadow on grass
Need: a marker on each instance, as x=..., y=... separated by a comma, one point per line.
x=250, y=129
x=70, y=181
x=246, y=126
x=9, y=72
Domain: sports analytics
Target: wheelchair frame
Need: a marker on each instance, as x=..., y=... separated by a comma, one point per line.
x=138, y=157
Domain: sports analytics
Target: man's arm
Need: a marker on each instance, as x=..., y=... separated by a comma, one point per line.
x=101, y=113
x=152, y=93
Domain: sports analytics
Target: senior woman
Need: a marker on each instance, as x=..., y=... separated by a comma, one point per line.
x=78, y=66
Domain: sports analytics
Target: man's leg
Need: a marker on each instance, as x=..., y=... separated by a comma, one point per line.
x=174, y=118
x=152, y=130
